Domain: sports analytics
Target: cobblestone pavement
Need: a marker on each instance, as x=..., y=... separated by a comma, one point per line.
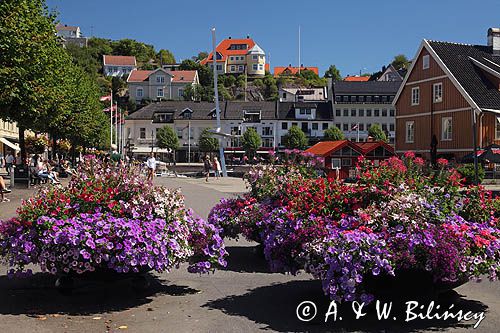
x=244, y=297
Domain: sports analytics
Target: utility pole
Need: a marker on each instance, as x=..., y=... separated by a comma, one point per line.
x=299, y=49
x=217, y=107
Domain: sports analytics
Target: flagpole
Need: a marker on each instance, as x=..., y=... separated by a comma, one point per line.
x=116, y=126
x=111, y=127
x=119, y=125
x=357, y=127
x=217, y=108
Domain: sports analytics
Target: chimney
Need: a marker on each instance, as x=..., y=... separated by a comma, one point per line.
x=494, y=40
x=248, y=36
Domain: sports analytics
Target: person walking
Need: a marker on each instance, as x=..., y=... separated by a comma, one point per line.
x=206, y=167
x=151, y=165
x=216, y=167
x=9, y=161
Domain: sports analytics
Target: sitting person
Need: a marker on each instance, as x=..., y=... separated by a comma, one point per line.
x=44, y=171
x=3, y=190
x=65, y=166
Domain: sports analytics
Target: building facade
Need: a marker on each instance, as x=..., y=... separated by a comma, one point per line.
x=292, y=70
x=160, y=84
x=9, y=136
x=118, y=65
x=303, y=94
x=359, y=105
x=238, y=56
x=449, y=90
x=71, y=35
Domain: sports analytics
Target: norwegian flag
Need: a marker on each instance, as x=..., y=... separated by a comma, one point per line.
x=355, y=127
x=105, y=98
x=113, y=108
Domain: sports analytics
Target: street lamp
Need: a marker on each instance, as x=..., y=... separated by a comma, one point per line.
x=152, y=139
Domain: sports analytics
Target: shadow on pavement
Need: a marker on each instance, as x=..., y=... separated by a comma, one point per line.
x=246, y=259
x=275, y=306
x=37, y=295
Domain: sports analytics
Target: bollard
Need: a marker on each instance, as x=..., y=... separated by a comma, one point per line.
x=12, y=176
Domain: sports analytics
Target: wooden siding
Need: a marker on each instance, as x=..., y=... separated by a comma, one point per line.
x=488, y=123
x=419, y=73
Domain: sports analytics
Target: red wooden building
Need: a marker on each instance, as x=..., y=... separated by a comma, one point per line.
x=341, y=156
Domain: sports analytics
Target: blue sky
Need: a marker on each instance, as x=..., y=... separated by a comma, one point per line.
x=352, y=34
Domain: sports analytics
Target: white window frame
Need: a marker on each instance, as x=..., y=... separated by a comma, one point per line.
x=437, y=92
x=410, y=136
x=497, y=128
x=335, y=165
x=426, y=61
x=255, y=57
x=446, y=130
x=415, y=96
x=158, y=92
x=139, y=92
x=180, y=92
x=160, y=79
x=254, y=67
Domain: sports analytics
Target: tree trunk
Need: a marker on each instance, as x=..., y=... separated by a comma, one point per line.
x=54, y=146
x=22, y=144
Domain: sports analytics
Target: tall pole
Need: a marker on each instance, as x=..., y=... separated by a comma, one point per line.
x=189, y=142
x=217, y=108
x=357, y=128
x=116, y=126
x=474, y=131
x=111, y=124
x=299, y=49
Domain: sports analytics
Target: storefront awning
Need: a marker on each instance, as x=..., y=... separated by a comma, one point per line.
x=145, y=150
x=10, y=144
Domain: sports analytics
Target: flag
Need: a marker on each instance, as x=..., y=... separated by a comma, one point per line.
x=355, y=127
x=105, y=98
x=109, y=109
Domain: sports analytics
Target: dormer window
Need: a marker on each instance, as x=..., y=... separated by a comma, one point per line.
x=251, y=116
x=163, y=117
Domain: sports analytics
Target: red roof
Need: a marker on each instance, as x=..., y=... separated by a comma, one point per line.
x=294, y=70
x=224, y=49
x=324, y=148
x=178, y=76
x=357, y=78
x=119, y=60
x=367, y=147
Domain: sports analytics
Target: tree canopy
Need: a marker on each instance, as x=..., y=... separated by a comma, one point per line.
x=251, y=141
x=206, y=141
x=295, y=138
x=333, y=73
x=333, y=134
x=167, y=138
x=400, y=61
x=376, y=132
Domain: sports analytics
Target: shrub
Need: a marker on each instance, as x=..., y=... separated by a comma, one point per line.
x=467, y=171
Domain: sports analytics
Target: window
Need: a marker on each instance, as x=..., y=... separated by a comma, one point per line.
x=384, y=112
x=384, y=127
x=255, y=57
x=353, y=99
x=437, y=92
x=368, y=112
x=315, y=126
x=410, y=131
x=346, y=112
x=233, y=68
x=294, y=124
x=426, y=61
x=338, y=126
x=384, y=99
x=353, y=112
x=335, y=163
x=361, y=98
x=240, y=68
x=446, y=128
x=361, y=127
x=284, y=126
x=267, y=142
x=142, y=133
x=346, y=162
x=139, y=92
x=345, y=127
x=337, y=98
x=187, y=115
x=179, y=131
x=376, y=113
x=254, y=67
x=231, y=58
x=368, y=99
x=391, y=127
x=325, y=126
x=219, y=68
x=159, y=92
x=497, y=129
x=160, y=79
x=267, y=131
x=361, y=112
x=345, y=99
x=392, y=112
x=261, y=67
x=415, y=96
x=337, y=112
x=181, y=92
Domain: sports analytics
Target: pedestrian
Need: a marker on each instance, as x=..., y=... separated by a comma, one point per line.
x=206, y=167
x=151, y=165
x=3, y=190
x=216, y=167
x=9, y=161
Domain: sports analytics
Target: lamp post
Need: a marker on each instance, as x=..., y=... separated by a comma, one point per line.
x=217, y=108
x=152, y=139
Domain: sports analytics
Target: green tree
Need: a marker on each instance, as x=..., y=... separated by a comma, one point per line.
x=400, y=61
x=32, y=63
x=83, y=57
x=376, y=132
x=166, y=138
x=333, y=134
x=270, y=90
x=201, y=55
x=295, y=139
x=310, y=79
x=130, y=47
x=206, y=142
x=334, y=73
x=251, y=141
x=165, y=57
x=205, y=75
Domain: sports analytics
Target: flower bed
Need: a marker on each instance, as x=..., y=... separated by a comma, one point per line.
x=397, y=217
x=108, y=218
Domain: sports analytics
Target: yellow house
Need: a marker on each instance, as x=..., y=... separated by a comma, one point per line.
x=9, y=134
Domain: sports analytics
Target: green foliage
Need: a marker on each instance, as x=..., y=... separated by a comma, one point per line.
x=83, y=57
x=167, y=138
x=251, y=141
x=295, y=139
x=130, y=47
x=334, y=73
x=400, y=61
x=376, y=132
x=467, y=171
x=206, y=141
x=333, y=134
x=205, y=75
x=308, y=78
x=165, y=57
x=240, y=81
x=201, y=55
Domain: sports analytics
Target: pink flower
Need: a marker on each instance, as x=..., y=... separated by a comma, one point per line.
x=409, y=154
x=442, y=162
x=419, y=161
